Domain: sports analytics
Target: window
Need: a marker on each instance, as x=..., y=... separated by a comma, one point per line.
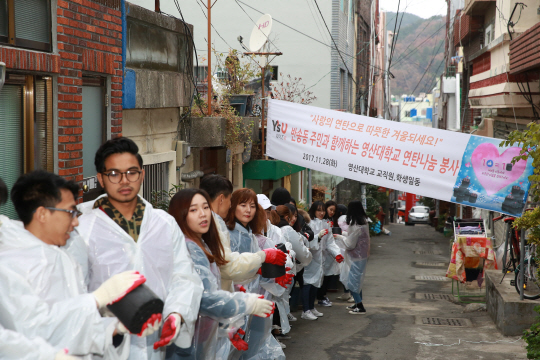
x=26, y=23
x=156, y=178
x=200, y=73
x=26, y=126
x=350, y=93
x=93, y=122
x=342, y=95
x=275, y=73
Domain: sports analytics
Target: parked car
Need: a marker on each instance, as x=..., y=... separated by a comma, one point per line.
x=418, y=215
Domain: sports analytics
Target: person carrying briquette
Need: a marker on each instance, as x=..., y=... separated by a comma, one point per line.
x=357, y=244
x=42, y=286
x=238, y=267
x=246, y=221
x=313, y=273
x=191, y=209
x=124, y=232
x=330, y=255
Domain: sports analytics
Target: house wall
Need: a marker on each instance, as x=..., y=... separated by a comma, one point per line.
x=302, y=57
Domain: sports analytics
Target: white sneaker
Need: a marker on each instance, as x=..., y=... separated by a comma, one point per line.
x=325, y=302
x=291, y=317
x=344, y=297
x=316, y=313
x=283, y=346
x=351, y=300
x=307, y=315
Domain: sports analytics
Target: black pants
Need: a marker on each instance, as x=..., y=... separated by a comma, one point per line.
x=321, y=292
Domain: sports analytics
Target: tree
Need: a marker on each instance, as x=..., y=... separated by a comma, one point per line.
x=291, y=89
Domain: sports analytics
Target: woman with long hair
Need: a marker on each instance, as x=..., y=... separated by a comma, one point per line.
x=191, y=210
x=246, y=222
x=331, y=255
x=357, y=245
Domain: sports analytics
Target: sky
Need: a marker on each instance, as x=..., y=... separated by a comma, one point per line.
x=423, y=8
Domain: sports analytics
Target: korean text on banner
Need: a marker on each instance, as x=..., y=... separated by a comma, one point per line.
x=446, y=165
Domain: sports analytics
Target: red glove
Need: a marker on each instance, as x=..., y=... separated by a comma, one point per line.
x=239, y=288
x=170, y=331
x=151, y=325
x=237, y=341
x=331, y=224
x=259, y=271
x=285, y=280
x=275, y=256
x=339, y=258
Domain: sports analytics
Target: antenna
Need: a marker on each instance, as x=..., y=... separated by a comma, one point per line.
x=260, y=33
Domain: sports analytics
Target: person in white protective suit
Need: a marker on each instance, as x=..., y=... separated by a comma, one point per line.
x=191, y=209
x=313, y=273
x=283, y=217
x=239, y=267
x=245, y=219
x=341, y=221
x=16, y=346
x=123, y=231
x=356, y=244
x=43, y=292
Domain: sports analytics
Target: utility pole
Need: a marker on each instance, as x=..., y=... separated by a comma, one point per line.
x=209, y=72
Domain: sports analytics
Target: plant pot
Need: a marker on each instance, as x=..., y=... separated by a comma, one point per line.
x=243, y=103
x=134, y=309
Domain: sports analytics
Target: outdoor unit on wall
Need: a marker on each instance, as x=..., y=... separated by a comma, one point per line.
x=488, y=35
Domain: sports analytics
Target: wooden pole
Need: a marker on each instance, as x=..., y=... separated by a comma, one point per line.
x=158, y=8
x=209, y=77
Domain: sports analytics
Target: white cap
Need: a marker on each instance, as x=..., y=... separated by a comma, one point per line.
x=264, y=201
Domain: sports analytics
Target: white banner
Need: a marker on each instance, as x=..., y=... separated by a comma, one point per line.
x=445, y=165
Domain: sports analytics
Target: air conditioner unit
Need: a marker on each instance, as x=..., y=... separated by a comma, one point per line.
x=488, y=35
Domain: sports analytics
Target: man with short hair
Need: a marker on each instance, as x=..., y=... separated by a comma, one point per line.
x=240, y=267
x=124, y=232
x=43, y=292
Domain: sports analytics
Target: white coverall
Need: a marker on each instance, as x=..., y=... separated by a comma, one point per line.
x=241, y=267
x=15, y=346
x=356, y=254
x=303, y=255
x=313, y=273
x=160, y=254
x=262, y=345
x=217, y=307
x=43, y=295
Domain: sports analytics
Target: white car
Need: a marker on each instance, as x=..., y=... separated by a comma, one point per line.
x=418, y=215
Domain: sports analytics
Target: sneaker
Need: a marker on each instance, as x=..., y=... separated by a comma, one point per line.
x=344, y=297
x=316, y=313
x=281, y=336
x=307, y=315
x=351, y=300
x=358, y=310
x=325, y=302
x=291, y=317
x=283, y=346
x=353, y=306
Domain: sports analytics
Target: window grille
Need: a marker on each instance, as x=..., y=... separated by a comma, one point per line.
x=156, y=178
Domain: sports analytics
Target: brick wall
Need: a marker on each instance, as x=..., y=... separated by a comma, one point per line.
x=89, y=40
x=29, y=60
x=481, y=64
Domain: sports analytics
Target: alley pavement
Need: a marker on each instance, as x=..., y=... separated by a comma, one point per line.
x=400, y=307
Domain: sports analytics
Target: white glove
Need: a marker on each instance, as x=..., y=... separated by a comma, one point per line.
x=62, y=355
x=337, y=236
x=344, y=233
x=322, y=233
x=115, y=288
x=258, y=306
x=170, y=331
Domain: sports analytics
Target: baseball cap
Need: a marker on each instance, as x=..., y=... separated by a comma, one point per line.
x=264, y=201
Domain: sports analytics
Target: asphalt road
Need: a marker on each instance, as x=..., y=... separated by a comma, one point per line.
x=393, y=327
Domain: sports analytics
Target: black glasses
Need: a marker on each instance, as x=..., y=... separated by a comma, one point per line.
x=115, y=176
x=74, y=213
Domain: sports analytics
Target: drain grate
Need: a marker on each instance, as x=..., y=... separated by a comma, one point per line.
x=424, y=296
x=428, y=252
x=431, y=278
x=430, y=263
x=435, y=321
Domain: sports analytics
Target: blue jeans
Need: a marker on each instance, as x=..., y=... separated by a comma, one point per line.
x=309, y=292
x=357, y=297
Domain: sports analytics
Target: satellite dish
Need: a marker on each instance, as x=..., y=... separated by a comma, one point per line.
x=260, y=32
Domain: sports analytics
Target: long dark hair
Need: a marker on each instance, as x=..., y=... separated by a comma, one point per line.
x=340, y=210
x=317, y=205
x=356, y=214
x=327, y=205
x=179, y=209
x=297, y=226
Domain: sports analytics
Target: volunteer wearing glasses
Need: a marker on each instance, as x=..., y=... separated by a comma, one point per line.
x=124, y=232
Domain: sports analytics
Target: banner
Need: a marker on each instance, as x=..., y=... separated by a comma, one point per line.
x=445, y=165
